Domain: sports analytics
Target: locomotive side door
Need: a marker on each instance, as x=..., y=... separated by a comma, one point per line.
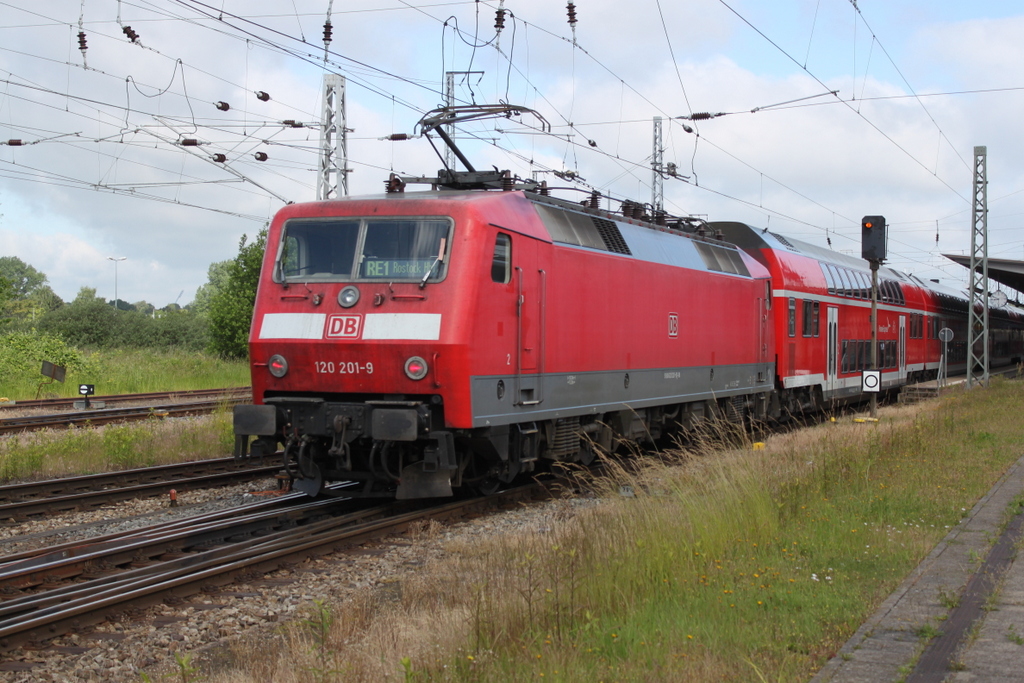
x=531, y=283
x=832, y=351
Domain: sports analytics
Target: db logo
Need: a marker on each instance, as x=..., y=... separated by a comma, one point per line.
x=673, y=324
x=343, y=326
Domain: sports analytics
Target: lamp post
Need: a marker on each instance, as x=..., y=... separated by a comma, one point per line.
x=115, y=260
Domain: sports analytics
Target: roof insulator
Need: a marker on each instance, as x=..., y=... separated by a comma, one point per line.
x=262, y=96
x=223, y=106
x=261, y=156
x=219, y=158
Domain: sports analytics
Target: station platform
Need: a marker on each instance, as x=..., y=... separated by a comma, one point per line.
x=959, y=616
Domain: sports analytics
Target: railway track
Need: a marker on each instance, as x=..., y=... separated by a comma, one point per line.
x=19, y=502
x=149, y=397
x=102, y=416
x=72, y=587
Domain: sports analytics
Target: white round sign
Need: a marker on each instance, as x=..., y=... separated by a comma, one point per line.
x=945, y=334
x=870, y=380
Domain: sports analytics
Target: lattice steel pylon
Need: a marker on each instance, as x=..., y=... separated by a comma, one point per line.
x=332, y=181
x=657, y=166
x=977, y=323
x=449, y=101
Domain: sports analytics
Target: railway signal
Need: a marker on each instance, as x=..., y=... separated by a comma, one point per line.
x=872, y=248
x=872, y=238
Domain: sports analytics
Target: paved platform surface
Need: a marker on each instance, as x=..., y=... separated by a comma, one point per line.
x=893, y=644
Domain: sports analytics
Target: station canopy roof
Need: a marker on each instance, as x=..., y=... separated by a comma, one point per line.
x=1003, y=271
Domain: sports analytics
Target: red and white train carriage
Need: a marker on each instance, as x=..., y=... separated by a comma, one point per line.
x=822, y=320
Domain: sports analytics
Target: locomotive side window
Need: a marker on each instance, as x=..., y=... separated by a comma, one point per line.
x=808, y=318
x=346, y=249
x=501, y=264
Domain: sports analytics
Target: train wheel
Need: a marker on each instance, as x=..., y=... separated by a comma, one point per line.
x=505, y=473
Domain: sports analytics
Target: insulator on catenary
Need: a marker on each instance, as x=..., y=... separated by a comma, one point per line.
x=262, y=96
x=328, y=29
x=261, y=156
x=223, y=106
x=189, y=142
x=571, y=9
x=81, y=41
x=219, y=158
x=14, y=143
x=701, y=116
x=132, y=35
x=394, y=184
x=292, y=123
x=398, y=137
x=499, y=20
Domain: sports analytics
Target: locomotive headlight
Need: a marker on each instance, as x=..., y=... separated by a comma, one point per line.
x=416, y=368
x=277, y=365
x=348, y=297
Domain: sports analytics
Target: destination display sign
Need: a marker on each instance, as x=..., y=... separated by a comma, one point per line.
x=397, y=268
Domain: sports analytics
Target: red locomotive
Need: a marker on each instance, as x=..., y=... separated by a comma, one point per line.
x=419, y=343
x=424, y=341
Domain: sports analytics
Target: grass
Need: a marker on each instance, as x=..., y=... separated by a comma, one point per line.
x=751, y=565
x=129, y=371
x=57, y=453
x=83, y=451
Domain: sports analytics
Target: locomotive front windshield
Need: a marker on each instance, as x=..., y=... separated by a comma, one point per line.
x=347, y=249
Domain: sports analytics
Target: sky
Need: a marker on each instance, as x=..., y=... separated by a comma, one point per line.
x=809, y=115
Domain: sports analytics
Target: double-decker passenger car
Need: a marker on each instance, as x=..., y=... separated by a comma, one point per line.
x=822, y=321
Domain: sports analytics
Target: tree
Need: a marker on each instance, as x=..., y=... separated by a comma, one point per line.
x=231, y=307
x=6, y=294
x=23, y=278
x=217, y=279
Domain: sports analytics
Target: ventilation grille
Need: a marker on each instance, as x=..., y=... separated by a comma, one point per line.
x=580, y=229
x=784, y=241
x=565, y=441
x=610, y=234
x=721, y=259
